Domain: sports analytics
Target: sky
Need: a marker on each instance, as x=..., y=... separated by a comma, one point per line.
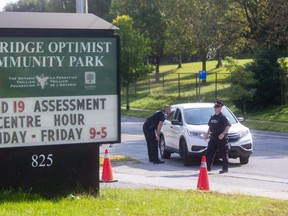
x=4, y=2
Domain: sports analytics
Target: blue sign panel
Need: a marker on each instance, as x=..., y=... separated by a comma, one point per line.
x=202, y=75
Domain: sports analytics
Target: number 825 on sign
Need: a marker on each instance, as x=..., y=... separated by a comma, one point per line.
x=42, y=160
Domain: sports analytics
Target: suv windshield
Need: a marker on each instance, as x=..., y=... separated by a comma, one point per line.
x=201, y=116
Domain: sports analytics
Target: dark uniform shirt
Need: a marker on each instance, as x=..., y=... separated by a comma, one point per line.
x=154, y=120
x=217, y=124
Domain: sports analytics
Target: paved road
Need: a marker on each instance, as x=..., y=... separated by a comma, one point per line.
x=265, y=175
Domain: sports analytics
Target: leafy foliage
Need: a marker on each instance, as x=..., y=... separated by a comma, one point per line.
x=271, y=76
x=150, y=19
x=28, y=5
x=99, y=7
x=133, y=50
x=267, y=23
x=242, y=84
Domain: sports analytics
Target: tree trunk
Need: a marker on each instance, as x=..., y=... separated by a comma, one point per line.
x=219, y=58
x=204, y=60
x=127, y=98
x=157, y=75
x=179, y=60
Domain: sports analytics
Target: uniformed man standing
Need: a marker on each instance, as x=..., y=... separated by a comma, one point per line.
x=219, y=126
x=151, y=129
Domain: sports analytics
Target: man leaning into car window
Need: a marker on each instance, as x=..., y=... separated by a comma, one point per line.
x=151, y=129
x=219, y=126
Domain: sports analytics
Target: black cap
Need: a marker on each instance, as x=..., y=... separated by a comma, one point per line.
x=218, y=103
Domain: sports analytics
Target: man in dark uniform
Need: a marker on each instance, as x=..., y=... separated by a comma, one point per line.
x=151, y=129
x=218, y=128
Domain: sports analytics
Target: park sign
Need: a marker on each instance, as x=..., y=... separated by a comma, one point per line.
x=59, y=100
x=58, y=90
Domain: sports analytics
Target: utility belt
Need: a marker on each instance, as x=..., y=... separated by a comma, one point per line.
x=215, y=137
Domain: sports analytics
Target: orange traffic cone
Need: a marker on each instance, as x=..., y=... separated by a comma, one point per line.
x=203, y=182
x=107, y=175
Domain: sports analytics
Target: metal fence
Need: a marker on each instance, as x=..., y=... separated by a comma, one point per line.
x=185, y=85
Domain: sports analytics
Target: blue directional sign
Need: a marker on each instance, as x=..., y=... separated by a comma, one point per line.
x=202, y=75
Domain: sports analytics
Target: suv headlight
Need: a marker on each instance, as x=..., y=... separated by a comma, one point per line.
x=199, y=135
x=243, y=133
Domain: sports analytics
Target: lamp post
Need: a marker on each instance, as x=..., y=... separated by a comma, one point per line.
x=81, y=6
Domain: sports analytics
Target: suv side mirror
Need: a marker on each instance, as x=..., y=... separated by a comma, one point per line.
x=176, y=122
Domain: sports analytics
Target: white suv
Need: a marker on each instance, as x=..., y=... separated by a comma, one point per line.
x=185, y=126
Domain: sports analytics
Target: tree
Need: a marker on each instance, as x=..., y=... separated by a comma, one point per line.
x=255, y=14
x=178, y=33
x=217, y=27
x=27, y=6
x=268, y=36
x=277, y=24
x=267, y=23
x=100, y=8
x=133, y=50
x=64, y=6
x=42, y=6
x=210, y=28
x=150, y=19
x=154, y=22
x=242, y=82
x=271, y=76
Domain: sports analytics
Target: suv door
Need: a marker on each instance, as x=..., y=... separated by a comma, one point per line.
x=166, y=129
x=176, y=128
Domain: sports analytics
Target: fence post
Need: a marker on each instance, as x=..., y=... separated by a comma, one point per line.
x=216, y=81
x=199, y=91
x=179, y=85
x=148, y=81
x=196, y=87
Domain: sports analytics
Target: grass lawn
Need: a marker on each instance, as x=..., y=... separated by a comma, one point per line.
x=140, y=202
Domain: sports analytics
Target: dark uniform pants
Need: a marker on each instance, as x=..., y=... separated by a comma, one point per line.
x=223, y=146
x=152, y=143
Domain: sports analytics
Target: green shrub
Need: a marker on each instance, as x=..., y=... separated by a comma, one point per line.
x=271, y=80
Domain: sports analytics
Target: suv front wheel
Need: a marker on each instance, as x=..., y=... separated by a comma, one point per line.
x=184, y=153
x=164, y=153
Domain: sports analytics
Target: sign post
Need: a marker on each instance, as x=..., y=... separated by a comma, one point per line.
x=202, y=76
